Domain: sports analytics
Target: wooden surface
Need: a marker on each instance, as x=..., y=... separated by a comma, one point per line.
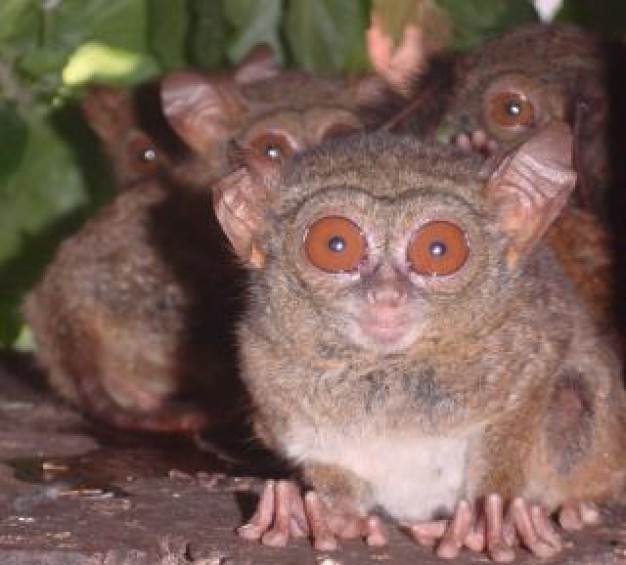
x=69, y=495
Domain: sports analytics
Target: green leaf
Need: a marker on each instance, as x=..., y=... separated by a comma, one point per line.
x=96, y=62
x=477, y=20
x=395, y=15
x=13, y=137
x=20, y=21
x=207, y=34
x=327, y=35
x=167, y=32
x=119, y=23
x=40, y=62
x=59, y=180
x=253, y=22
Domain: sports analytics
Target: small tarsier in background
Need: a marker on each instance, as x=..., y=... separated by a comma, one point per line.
x=411, y=345
x=134, y=316
x=496, y=96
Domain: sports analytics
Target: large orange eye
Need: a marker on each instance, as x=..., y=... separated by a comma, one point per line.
x=144, y=158
x=335, y=245
x=437, y=249
x=509, y=109
x=273, y=146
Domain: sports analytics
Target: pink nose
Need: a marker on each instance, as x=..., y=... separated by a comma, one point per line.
x=387, y=288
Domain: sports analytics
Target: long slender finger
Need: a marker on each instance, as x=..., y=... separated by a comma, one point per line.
x=525, y=527
x=376, y=532
x=494, y=515
x=323, y=538
x=476, y=538
x=278, y=534
x=457, y=531
x=262, y=518
x=544, y=527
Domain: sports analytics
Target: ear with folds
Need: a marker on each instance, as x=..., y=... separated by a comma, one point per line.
x=203, y=109
x=240, y=200
x=531, y=186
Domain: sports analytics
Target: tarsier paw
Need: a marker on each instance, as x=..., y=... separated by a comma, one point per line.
x=490, y=529
x=477, y=141
x=279, y=515
x=283, y=513
x=341, y=522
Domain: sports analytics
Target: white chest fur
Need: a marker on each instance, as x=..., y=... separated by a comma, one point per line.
x=411, y=478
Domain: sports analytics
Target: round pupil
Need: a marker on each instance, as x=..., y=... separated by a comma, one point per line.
x=149, y=155
x=273, y=152
x=513, y=108
x=438, y=249
x=337, y=244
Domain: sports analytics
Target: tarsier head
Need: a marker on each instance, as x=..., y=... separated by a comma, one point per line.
x=513, y=85
x=272, y=112
x=390, y=241
x=133, y=130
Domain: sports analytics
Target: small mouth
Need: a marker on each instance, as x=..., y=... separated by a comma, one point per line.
x=384, y=328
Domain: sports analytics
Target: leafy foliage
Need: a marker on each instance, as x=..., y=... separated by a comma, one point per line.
x=52, y=175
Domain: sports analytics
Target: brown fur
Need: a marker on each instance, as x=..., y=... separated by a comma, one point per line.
x=135, y=312
x=502, y=353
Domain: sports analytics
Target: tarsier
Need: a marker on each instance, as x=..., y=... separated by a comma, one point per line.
x=494, y=98
x=135, y=313
x=412, y=346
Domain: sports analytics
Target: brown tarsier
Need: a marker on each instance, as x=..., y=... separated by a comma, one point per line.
x=133, y=318
x=414, y=349
x=494, y=98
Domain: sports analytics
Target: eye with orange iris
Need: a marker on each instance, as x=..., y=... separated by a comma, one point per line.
x=274, y=146
x=145, y=158
x=335, y=245
x=438, y=249
x=510, y=109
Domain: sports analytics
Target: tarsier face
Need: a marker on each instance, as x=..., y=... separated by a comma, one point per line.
x=275, y=114
x=390, y=241
x=506, y=110
x=390, y=266
x=515, y=84
x=133, y=130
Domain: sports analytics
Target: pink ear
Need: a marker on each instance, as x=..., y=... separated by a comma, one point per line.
x=203, y=110
x=239, y=201
x=531, y=186
x=259, y=64
x=109, y=112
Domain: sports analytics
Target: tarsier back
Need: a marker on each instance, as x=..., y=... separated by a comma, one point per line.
x=411, y=344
